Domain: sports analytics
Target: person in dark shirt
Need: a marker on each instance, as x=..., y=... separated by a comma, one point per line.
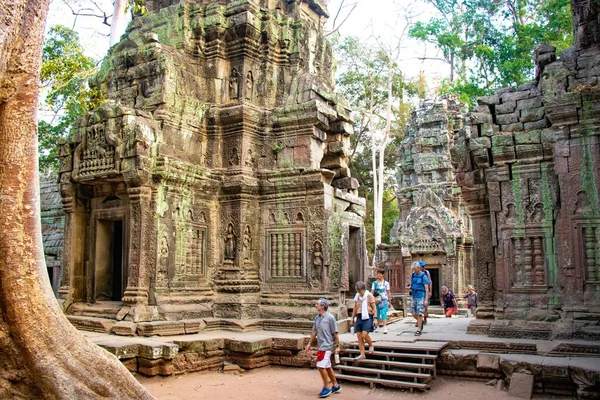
x=448, y=300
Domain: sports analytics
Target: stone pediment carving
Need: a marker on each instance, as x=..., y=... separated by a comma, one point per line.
x=428, y=225
x=105, y=137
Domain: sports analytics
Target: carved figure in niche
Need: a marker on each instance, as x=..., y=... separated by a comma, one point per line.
x=202, y=217
x=583, y=203
x=163, y=259
x=246, y=243
x=249, y=85
x=287, y=218
x=511, y=215
x=300, y=218
x=249, y=159
x=234, y=84
x=273, y=219
x=190, y=215
x=234, y=158
x=317, y=264
x=230, y=243
x=537, y=213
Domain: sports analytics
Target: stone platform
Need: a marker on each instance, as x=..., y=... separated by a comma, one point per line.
x=566, y=367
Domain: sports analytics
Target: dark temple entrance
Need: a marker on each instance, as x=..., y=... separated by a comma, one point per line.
x=109, y=273
x=355, y=262
x=435, y=286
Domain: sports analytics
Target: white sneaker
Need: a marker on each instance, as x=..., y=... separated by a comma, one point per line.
x=385, y=329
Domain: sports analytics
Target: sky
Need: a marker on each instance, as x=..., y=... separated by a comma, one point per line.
x=382, y=21
x=93, y=34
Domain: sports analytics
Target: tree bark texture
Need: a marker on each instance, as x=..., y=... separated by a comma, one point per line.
x=41, y=354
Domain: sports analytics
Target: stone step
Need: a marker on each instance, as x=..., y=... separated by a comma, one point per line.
x=394, y=373
x=310, y=297
x=397, y=364
x=391, y=354
x=91, y=324
x=108, y=309
x=410, y=347
x=384, y=382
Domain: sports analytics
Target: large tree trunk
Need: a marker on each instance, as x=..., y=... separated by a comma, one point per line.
x=41, y=354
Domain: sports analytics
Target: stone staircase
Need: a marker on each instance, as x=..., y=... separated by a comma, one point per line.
x=401, y=365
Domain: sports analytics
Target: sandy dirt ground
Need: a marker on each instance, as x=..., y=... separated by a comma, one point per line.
x=272, y=383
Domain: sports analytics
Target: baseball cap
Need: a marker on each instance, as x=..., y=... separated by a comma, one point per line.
x=422, y=264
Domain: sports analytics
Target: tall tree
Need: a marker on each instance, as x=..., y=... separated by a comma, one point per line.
x=63, y=78
x=489, y=44
x=119, y=22
x=41, y=354
x=371, y=80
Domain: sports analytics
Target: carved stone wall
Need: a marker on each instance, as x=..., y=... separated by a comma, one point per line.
x=222, y=157
x=433, y=225
x=53, y=222
x=530, y=169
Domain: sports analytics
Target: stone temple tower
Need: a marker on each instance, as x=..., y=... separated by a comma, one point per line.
x=433, y=225
x=214, y=181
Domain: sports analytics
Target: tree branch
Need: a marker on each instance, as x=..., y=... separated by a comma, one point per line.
x=342, y=23
x=88, y=12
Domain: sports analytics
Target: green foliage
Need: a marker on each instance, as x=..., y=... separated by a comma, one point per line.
x=63, y=78
x=137, y=6
x=390, y=215
x=363, y=77
x=489, y=44
x=363, y=81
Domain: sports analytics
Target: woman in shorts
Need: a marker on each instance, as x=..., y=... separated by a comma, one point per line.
x=363, y=316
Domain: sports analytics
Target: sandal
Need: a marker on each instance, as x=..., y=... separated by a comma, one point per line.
x=418, y=333
x=371, y=349
x=361, y=357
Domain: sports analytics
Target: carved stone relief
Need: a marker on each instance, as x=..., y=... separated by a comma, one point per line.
x=234, y=84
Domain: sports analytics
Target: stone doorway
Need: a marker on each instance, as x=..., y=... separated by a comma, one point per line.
x=355, y=262
x=110, y=272
x=434, y=271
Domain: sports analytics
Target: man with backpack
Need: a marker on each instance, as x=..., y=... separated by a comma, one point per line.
x=426, y=313
x=419, y=283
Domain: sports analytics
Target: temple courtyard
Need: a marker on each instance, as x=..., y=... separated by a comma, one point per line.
x=273, y=383
x=270, y=364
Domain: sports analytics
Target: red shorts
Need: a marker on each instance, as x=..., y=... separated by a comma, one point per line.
x=449, y=311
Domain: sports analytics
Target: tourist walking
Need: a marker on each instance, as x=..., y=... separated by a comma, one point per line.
x=448, y=301
x=363, y=315
x=419, y=285
x=326, y=331
x=471, y=297
x=429, y=293
x=381, y=290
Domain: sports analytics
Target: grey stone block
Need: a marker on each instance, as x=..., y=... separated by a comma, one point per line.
x=488, y=362
x=506, y=119
x=521, y=386
x=514, y=96
x=506, y=107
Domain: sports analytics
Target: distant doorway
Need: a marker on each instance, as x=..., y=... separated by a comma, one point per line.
x=355, y=261
x=109, y=274
x=435, y=286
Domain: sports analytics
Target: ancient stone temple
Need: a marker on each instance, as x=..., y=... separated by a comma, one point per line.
x=529, y=170
x=53, y=223
x=433, y=225
x=214, y=181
